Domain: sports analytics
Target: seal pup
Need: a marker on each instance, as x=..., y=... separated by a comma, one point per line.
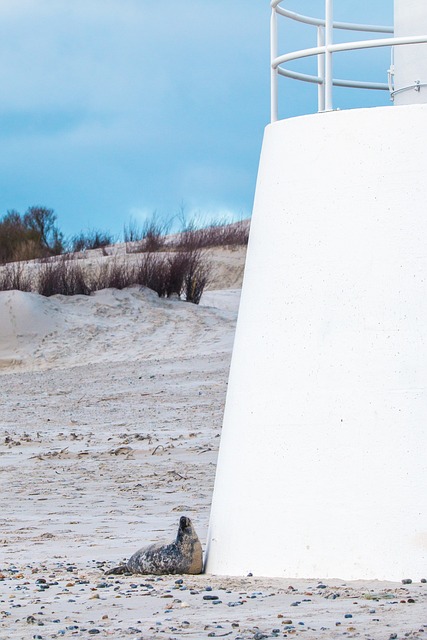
x=182, y=556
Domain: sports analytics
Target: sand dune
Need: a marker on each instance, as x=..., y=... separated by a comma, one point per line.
x=110, y=325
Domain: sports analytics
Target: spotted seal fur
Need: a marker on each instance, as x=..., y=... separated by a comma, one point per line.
x=182, y=556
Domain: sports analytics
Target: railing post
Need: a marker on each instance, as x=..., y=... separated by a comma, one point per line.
x=321, y=70
x=329, y=34
x=273, y=71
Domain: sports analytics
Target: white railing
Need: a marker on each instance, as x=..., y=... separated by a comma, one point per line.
x=324, y=51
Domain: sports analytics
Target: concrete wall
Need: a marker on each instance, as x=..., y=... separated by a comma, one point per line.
x=322, y=464
x=410, y=61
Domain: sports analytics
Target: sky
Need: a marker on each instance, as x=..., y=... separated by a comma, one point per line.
x=111, y=110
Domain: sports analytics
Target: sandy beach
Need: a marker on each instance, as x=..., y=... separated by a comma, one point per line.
x=111, y=411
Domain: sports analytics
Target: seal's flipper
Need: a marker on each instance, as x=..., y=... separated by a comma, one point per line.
x=117, y=571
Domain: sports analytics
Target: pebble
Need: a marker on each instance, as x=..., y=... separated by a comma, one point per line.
x=172, y=626
x=407, y=581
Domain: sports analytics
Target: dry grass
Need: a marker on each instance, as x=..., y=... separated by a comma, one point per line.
x=216, y=234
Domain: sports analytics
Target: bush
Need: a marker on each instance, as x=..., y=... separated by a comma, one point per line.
x=132, y=232
x=151, y=237
x=114, y=275
x=31, y=236
x=62, y=277
x=93, y=239
x=41, y=222
x=196, y=276
x=16, y=240
x=183, y=274
x=13, y=277
x=151, y=271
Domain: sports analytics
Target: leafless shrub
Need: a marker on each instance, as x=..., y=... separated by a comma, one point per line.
x=177, y=264
x=182, y=273
x=151, y=271
x=114, y=275
x=196, y=276
x=152, y=235
x=92, y=239
x=62, y=277
x=132, y=232
x=13, y=277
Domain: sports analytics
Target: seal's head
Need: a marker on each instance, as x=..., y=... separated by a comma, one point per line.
x=185, y=529
x=184, y=523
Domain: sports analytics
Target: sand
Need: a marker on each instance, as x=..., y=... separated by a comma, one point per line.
x=111, y=409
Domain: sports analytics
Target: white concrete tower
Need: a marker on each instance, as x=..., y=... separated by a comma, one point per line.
x=322, y=464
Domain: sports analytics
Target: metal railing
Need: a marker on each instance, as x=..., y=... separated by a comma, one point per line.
x=324, y=51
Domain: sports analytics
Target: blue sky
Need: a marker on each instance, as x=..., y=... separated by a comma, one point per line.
x=111, y=109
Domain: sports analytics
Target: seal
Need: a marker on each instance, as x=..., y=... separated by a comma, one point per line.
x=182, y=556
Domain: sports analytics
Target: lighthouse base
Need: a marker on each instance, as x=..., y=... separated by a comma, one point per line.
x=322, y=463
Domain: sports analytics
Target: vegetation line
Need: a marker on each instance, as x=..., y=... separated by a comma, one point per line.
x=170, y=265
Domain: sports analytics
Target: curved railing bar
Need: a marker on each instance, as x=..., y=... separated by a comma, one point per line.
x=318, y=22
x=347, y=46
x=383, y=42
x=295, y=75
x=356, y=84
